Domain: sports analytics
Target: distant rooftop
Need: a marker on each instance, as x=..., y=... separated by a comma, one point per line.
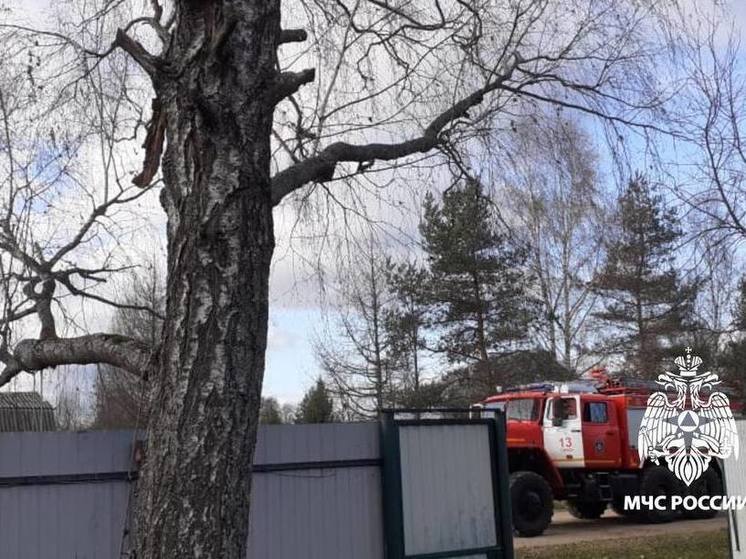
x=25, y=411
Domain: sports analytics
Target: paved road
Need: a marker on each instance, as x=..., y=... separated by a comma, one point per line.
x=567, y=529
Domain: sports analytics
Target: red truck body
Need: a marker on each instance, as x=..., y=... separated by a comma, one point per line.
x=580, y=441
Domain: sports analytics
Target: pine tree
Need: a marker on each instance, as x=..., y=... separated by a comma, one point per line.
x=317, y=405
x=479, y=274
x=647, y=302
x=733, y=354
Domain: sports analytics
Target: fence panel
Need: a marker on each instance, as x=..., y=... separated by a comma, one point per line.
x=64, y=494
x=735, y=482
x=318, y=492
x=444, y=509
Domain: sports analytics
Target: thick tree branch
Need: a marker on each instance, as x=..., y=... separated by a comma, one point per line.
x=34, y=355
x=147, y=61
x=293, y=36
x=43, y=307
x=321, y=167
x=288, y=83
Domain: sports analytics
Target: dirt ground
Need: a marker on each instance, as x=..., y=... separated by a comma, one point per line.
x=566, y=529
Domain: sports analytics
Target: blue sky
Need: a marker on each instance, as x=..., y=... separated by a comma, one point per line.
x=291, y=365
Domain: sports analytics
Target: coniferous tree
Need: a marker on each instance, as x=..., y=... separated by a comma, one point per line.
x=317, y=405
x=733, y=354
x=480, y=282
x=647, y=302
x=739, y=308
x=270, y=412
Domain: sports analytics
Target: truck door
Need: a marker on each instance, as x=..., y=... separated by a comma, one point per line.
x=600, y=435
x=563, y=438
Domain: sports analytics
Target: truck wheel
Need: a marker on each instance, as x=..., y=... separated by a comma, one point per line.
x=617, y=505
x=657, y=481
x=532, y=503
x=708, y=484
x=586, y=510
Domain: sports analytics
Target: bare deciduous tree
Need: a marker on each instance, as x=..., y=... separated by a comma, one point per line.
x=357, y=358
x=233, y=131
x=712, y=186
x=553, y=190
x=122, y=398
x=69, y=409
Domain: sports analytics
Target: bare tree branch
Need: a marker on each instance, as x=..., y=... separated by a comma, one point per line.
x=293, y=35
x=153, y=146
x=34, y=355
x=322, y=166
x=147, y=61
x=288, y=83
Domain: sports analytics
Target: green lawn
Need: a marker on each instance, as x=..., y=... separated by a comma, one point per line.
x=710, y=545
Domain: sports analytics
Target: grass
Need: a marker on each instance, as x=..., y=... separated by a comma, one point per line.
x=709, y=545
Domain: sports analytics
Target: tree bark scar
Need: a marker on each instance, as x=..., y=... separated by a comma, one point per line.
x=153, y=146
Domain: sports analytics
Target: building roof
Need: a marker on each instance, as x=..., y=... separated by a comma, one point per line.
x=25, y=411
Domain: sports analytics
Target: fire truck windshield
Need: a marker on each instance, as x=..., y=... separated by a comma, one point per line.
x=521, y=409
x=524, y=409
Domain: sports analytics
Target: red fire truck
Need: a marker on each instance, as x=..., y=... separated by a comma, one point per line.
x=577, y=442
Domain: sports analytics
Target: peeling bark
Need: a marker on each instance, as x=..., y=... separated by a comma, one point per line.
x=153, y=146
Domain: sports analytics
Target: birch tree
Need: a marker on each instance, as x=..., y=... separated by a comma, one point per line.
x=553, y=188
x=255, y=102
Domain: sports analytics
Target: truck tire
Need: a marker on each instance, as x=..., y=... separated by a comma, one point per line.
x=708, y=484
x=586, y=510
x=617, y=505
x=532, y=503
x=656, y=481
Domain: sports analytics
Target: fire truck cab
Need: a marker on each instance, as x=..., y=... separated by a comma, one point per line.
x=577, y=442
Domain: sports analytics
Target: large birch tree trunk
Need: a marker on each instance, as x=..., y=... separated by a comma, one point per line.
x=194, y=493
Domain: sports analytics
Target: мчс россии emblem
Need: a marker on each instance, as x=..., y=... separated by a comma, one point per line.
x=685, y=425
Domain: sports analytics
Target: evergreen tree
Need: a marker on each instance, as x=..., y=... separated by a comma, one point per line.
x=317, y=405
x=647, y=302
x=739, y=309
x=479, y=274
x=733, y=354
x=270, y=412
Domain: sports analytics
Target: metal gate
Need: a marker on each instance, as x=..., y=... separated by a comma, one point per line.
x=445, y=485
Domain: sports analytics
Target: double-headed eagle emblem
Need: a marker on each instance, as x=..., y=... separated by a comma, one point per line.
x=688, y=423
